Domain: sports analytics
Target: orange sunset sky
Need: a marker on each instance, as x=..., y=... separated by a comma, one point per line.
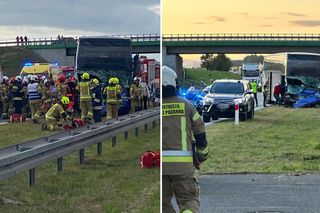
x=235, y=16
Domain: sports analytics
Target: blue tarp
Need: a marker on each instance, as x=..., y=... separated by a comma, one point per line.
x=307, y=98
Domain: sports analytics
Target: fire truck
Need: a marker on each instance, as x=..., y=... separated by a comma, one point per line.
x=149, y=69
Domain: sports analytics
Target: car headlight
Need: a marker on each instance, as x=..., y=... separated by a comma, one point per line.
x=208, y=101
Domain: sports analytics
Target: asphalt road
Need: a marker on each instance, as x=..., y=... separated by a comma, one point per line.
x=260, y=193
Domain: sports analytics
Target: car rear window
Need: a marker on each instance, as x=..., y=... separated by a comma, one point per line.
x=227, y=87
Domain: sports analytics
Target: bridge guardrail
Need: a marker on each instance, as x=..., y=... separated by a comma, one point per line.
x=66, y=41
x=241, y=37
x=26, y=156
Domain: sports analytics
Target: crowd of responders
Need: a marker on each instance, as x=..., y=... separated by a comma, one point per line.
x=66, y=99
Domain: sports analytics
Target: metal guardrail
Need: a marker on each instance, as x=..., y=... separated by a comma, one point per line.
x=241, y=37
x=26, y=156
x=73, y=40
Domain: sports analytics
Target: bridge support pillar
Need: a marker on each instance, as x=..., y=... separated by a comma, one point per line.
x=173, y=61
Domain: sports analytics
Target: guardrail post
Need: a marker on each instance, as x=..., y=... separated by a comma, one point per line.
x=99, y=148
x=126, y=135
x=81, y=156
x=145, y=127
x=59, y=164
x=32, y=177
x=114, y=141
x=137, y=132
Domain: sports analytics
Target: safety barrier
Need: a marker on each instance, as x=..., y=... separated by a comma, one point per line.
x=72, y=41
x=27, y=156
x=241, y=37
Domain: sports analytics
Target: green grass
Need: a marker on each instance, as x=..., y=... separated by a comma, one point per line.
x=111, y=183
x=276, y=140
x=12, y=59
x=196, y=75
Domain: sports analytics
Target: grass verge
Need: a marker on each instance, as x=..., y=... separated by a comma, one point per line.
x=113, y=182
x=276, y=140
x=196, y=75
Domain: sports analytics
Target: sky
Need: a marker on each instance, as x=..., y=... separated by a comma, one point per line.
x=47, y=18
x=245, y=16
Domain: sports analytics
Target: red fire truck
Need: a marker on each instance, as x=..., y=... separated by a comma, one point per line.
x=149, y=69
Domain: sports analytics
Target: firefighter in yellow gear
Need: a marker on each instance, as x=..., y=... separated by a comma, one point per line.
x=46, y=96
x=180, y=156
x=55, y=115
x=85, y=98
x=4, y=92
x=113, y=97
x=135, y=96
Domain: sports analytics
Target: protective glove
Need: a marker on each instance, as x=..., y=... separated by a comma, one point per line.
x=202, y=153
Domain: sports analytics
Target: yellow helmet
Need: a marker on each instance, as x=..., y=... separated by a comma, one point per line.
x=65, y=100
x=85, y=76
x=96, y=81
x=112, y=81
x=116, y=80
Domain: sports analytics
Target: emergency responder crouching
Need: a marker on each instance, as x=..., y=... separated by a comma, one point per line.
x=96, y=100
x=179, y=155
x=55, y=114
x=85, y=98
x=113, y=97
x=135, y=95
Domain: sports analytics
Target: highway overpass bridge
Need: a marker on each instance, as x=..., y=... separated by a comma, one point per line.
x=64, y=50
x=175, y=44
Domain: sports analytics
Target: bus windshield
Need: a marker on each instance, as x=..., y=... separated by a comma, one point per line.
x=105, y=57
x=303, y=65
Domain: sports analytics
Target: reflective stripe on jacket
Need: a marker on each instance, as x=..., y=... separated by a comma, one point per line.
x=33, y=93
x=54, y=112
x=111, y=93
x=179, y=120
x=84, y=87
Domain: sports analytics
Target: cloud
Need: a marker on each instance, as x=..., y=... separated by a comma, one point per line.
x=98, y=16
x=155, y=9
x=307, y=23
x=200, y=22
x=295, y=14
x=217, y=18
x=266, y=25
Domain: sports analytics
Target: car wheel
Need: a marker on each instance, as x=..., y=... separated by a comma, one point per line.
x=251, y=113
x=243, y=116
x=206, y=118
x=215, y=117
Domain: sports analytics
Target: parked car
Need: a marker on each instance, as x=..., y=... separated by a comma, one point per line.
x=219, y=102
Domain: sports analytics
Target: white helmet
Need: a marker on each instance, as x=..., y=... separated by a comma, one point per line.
x=25, y=80
x=34, y=78
x=18, y=78
x=169, y=77
x=46, y=81
x=29, y=77
x=43, y=78
x=5, y=78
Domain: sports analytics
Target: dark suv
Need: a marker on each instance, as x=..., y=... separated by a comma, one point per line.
x=219, y=102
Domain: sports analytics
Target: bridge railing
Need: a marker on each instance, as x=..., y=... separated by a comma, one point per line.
x=66, y=41
x=241, y=37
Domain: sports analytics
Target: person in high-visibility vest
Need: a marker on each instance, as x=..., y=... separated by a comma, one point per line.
x=253, y=85
x=55, y=114
x=119, y=91
x=85, y=98
x=180, y=157
x=135, y=96
x=17, y=93
x=34, y=98
x=96, y=100
x=113, y=95
x=4, y=90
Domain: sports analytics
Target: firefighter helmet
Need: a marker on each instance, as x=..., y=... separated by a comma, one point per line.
x=169, y=77
x=96, y=81
x=65, y=100
x=85, y=76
